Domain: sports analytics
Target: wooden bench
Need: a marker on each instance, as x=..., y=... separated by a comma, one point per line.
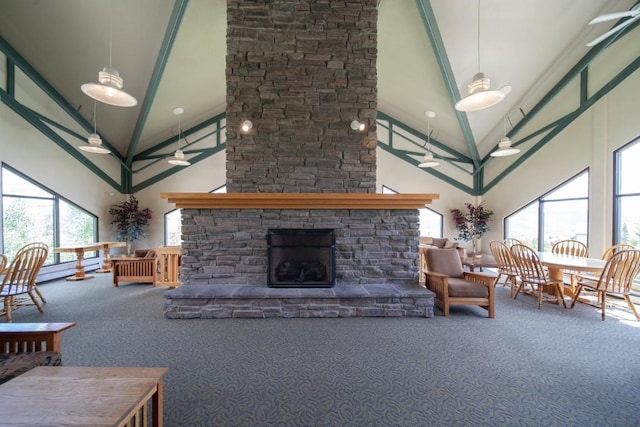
x=23, y=346
x=29, y=337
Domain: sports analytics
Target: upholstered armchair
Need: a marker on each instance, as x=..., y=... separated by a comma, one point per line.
x=452, y=285
x=138, y=269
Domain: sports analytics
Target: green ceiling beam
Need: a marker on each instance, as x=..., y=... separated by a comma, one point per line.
x=431, y=27
x=179, y=8
x=430, y=171
x=35, y=121
x=567, y=120
x=149, y=153
x=567, y=78
x=392, y=121
x=76, y=135
x=206, y=153
x=39, y=81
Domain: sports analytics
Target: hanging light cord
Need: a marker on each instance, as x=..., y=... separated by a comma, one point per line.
x=428, y=145
x=110, y=31
x=179, y=133
x=95, y=119
x=479, y=36
x=429, y=134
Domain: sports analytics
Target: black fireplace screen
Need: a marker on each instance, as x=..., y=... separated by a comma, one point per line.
x=301, y=258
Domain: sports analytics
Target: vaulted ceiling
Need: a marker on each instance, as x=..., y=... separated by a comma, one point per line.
x=171, y=53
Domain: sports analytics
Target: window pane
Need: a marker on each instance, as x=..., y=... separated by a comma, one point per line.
x=173, y=227
x=17, y=186
x=630, y=220
x=628, y=169
x=27, y=220
x=577, y=187
x=77, y=227
x=173, y=223
x=565, y=220
x=430, y=220
x=430, y=223
x=523, y=225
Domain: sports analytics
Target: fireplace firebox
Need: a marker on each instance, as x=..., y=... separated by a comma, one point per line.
x=301, y=258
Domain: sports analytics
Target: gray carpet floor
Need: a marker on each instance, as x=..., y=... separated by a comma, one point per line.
x=527, y=367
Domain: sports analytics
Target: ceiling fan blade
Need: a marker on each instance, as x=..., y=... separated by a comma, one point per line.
x=614, y=30
x=610, y=16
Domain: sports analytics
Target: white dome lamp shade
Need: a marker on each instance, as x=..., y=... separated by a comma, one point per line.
x=109, y=90
x=504, y=146
x=109, y=86
x=479, y=93
x=178, y=156
x=178, y=159
x=94, y=141
x=428, y=161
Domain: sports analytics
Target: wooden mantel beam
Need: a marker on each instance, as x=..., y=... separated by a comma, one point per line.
x=299, y=200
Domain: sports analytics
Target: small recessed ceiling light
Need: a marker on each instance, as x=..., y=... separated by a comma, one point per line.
x=246, y=126
x=357, y=125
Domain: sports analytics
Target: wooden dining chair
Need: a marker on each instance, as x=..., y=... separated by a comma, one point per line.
x=19, y=279
x=608, y=253
x=616, y=279
x=533, y=273
x=506, y=265
x=43, y=255
x=571, y=248
x=510, y=242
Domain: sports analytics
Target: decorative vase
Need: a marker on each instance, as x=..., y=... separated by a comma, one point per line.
x=129, y=248
x=474, y=243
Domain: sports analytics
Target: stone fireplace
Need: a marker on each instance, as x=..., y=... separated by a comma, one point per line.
x=301, y=71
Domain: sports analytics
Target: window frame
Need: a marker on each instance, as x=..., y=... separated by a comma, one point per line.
x=55, y=198
x=541, y=204
x=618, y=195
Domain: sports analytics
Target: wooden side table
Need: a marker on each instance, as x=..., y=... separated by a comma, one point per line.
x=104, y=396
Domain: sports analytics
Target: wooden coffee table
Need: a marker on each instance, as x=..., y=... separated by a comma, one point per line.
x=87, y=396
x=485, y=261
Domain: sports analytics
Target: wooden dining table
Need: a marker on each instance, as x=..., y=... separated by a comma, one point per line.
x=81, y=249
x=557, y=264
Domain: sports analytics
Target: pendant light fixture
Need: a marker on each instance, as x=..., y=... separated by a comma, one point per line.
x=428, y=160
x=479, y=92
x=94, y=141
x=504, y=146
x=109, y=89
x=178, y=157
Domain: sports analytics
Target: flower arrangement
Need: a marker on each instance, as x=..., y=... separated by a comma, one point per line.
x=129, y=220
x=472, y=224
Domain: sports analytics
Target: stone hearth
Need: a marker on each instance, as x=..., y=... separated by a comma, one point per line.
x=242, y=301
